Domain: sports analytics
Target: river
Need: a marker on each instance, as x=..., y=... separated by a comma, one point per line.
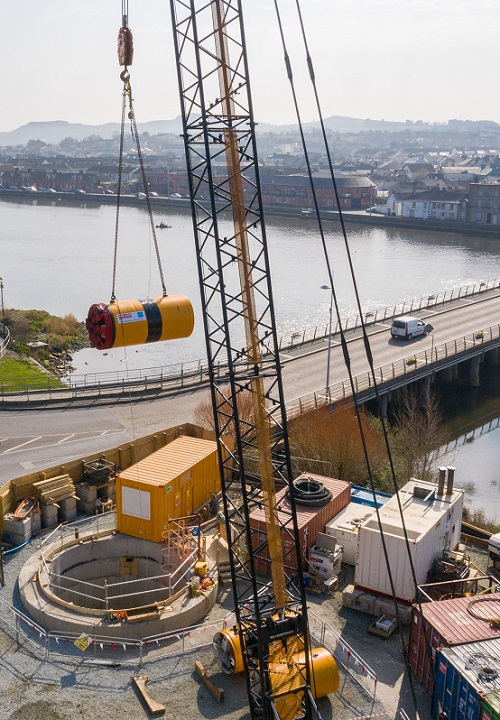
x=58, y=257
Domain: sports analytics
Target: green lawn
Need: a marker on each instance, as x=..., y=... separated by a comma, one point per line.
x=16, y=375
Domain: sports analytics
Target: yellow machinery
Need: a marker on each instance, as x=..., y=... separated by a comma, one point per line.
x=134, y=322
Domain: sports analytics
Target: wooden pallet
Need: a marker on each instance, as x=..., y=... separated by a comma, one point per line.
x=55, y=489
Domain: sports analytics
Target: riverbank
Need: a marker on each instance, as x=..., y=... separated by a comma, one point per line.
x=359, y=217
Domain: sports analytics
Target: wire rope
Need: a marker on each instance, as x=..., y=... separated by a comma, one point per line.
x=334, y=296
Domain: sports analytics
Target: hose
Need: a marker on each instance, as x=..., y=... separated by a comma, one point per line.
x=310, y=492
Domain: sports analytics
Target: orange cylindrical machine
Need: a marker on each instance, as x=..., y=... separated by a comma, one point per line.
x=134, y=322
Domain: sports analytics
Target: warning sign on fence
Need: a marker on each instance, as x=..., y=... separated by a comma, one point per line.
x=83, y=642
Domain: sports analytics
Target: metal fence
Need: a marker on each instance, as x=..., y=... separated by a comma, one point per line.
x=105, y=595
x=371, y=317
x=4, y=339
x=403, y=368
x=57, y=645
x=194, y=373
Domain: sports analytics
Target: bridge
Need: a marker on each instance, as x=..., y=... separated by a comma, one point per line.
x=108, y=411
x=462, y=331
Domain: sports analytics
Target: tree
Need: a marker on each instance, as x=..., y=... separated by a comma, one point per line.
x=418, y=435
x=204, y=416
x=333, y=436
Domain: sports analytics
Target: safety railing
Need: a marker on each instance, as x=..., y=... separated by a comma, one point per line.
x=404, y=367
x=190, y=374
x=4, y=339
x=108, y=595
x=54, y=644
x=371, y=317
x=353, y=663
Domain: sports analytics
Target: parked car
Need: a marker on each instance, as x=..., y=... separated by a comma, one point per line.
x=80, y=192
x=175, y=195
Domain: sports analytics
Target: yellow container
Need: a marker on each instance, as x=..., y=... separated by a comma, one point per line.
x=201, y=569
x=134, y=322
x=172, y=482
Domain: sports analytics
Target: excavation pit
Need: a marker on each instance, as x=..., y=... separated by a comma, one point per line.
x=108, y=583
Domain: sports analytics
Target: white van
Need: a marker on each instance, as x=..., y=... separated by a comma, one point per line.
x=408, y=327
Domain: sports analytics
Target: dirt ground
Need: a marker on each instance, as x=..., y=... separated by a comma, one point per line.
x=70, y=686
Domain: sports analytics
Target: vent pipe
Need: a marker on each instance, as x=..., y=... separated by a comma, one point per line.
x=442, y=477
x=450, y=479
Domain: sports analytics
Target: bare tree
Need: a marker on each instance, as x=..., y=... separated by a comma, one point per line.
x=418, y=436
x=204, y=416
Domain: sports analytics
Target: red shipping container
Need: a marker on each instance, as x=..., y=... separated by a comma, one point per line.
x=310, y=520
x=443, y=624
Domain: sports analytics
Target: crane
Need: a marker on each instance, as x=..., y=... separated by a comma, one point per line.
x=270, y=641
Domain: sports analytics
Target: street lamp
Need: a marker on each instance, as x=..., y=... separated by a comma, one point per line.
x=327, y=287
x=1, y=293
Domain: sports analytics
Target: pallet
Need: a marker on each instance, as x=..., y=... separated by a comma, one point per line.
x=383, y=627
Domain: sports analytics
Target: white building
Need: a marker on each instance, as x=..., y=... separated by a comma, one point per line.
x=431, y=205
x=432, y=518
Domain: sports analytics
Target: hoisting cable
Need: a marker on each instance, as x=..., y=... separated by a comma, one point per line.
x=125, y=58
x=342, y=334
x=368, y=355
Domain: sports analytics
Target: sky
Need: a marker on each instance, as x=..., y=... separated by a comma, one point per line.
x=430, y=60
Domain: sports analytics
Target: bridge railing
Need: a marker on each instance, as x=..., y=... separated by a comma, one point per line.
x=190, y=374
x=370, y=317
x=401, y=368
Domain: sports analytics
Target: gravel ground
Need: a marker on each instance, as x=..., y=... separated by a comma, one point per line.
x=78, y=686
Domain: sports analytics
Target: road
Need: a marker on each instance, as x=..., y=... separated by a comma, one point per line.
x=35, y=439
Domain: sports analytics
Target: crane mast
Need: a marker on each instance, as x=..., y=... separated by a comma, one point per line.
x=271, y=630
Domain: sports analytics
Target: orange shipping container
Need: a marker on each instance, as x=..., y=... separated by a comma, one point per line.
x=172, y=482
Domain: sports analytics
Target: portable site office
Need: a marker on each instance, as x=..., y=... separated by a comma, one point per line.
x=172, y=482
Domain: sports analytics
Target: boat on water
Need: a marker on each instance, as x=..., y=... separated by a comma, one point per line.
x=25, y=507
x=163, y=226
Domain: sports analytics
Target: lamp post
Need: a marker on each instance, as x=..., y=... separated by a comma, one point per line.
x=327, y=287
x=1, y=293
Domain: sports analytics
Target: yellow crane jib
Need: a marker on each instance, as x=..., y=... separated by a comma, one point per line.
x=135, y=322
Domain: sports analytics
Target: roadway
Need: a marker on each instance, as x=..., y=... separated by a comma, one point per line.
x=41, y=437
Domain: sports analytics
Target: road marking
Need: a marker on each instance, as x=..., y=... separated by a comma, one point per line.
x=68, y=437
x=75, y=438
x=17, y=447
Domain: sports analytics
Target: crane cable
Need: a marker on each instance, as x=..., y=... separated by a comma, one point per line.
x=370, y=361
x=342, y=334
x=125, y=57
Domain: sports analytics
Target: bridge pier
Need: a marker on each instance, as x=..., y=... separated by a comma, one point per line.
x=384, y=401
x=425, y=389
x=446, y=375
x=474, y=380
x=492, y=357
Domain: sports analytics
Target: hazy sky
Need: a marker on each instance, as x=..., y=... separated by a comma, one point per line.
x=392, y=59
